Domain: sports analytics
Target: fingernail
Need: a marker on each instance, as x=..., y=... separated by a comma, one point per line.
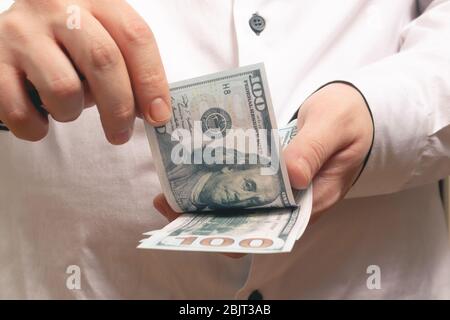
x=159, y=111
x=122, y=136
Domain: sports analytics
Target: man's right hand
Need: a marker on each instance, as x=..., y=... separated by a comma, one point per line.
x=111, y=60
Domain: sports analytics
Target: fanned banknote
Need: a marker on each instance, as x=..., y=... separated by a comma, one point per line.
x=219, y=162
x=221, y=148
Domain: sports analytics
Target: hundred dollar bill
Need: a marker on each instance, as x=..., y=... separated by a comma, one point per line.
x=221, y=150
x=241, y=231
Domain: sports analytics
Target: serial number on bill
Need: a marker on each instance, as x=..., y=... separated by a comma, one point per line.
x=235, y=310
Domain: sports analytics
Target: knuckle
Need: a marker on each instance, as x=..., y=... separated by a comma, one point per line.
x=318, y=153
x=151, y=77
x=17, y=119
x=13, y=26
x=291, y=164
x=299, y=171
x=304, y=172
x=137, y=32
x=104, y=55
x=6, y=71
x=20, y=123
x=122, y=112
x=65, y=87
x=47, y=5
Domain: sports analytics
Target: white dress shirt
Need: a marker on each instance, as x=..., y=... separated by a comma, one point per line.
x=73, y=199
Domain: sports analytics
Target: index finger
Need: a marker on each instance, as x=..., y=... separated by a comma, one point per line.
x=163, y=206
x=141, y=54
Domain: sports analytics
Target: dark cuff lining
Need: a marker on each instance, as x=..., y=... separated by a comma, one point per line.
x=3, y=127
x=371, y=116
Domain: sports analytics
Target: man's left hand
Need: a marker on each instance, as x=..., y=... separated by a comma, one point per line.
x=334, y=138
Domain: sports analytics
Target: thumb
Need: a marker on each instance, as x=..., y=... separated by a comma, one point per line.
x=309, y=151
x=161, y=204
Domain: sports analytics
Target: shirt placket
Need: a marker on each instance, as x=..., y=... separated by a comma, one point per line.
x=250, y=21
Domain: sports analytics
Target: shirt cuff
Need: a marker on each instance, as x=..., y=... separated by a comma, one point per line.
x=400, y=131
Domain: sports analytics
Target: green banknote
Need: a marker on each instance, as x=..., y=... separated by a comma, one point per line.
x=219, y=162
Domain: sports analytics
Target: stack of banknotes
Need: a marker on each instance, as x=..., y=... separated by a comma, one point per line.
x=220, y=165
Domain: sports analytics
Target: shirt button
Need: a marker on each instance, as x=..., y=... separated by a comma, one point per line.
x=257, y=23
x=255, y=295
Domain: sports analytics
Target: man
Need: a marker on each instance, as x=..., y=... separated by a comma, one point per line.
x=227, y=186
x=73, y=200
x=232, y=179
